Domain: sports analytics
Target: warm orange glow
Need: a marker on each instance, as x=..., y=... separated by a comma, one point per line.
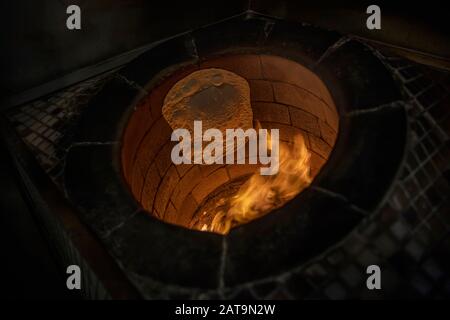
x=262, y=194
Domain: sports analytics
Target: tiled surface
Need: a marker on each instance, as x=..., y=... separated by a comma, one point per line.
x=46, y=124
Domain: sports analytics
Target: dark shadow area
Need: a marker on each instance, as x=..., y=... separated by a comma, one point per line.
x=28, y=268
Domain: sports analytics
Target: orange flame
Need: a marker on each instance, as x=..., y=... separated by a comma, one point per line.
x=262, y=194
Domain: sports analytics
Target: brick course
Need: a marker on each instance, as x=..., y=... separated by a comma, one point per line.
x=273, y=112
x=213, y=181
x=261, y=90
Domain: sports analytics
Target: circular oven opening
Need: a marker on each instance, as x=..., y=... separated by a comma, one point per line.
x=271, y=93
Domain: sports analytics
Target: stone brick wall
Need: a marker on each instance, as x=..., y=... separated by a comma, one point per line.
x=284, y=95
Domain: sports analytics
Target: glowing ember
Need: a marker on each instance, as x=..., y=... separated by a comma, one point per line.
x=262, y=194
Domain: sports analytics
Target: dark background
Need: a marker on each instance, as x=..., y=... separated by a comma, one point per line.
x=37, y=47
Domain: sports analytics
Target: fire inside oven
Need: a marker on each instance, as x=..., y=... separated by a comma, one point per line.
x=239, y=91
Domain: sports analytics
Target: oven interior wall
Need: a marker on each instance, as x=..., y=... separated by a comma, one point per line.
x=284, y=96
